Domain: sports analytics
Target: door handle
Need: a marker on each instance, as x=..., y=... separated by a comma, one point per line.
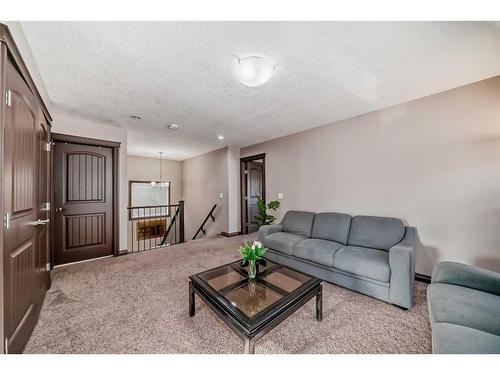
x=59, y=209
x=39, y=222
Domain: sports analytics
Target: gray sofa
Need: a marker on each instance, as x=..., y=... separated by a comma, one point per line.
x=369, y=254
x=464, y=309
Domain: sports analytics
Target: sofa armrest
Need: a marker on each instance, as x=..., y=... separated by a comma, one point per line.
x=402, y=264
x=266, y=230
x=467, y=276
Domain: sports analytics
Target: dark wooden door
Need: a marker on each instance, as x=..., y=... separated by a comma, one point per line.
x=25, y=232
x=43, y=205
x=83, y=202
x=254, y=189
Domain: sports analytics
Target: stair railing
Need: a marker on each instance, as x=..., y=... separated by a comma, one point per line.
x=202, y=226
x=152, y=227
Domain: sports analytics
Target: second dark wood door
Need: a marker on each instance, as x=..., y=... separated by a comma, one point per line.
x=254, y=189
x=83, y=202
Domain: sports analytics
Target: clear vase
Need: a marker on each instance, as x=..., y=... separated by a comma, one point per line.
x=252, y=270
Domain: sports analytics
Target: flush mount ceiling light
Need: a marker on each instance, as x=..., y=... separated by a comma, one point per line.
x=254, y=71
x=136, y=117
x=173, y=126
x=220, y=137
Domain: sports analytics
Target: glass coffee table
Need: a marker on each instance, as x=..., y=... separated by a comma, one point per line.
x=252, y=308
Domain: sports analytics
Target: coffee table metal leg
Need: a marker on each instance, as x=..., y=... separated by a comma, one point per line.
x=249, y=346
x=191, y=300
x=319, y=304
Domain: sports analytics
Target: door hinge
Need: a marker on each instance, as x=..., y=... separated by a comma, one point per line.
x=8, y=98
x=6, y=220
x=6, y=346
x=47, y=267
x=48, y=146
x=246, y=172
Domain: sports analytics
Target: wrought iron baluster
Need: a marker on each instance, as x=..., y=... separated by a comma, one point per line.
x=150, y=227
x=143, y=239
x=175, y=233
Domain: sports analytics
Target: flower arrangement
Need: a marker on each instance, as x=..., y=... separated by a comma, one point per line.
x=251, y=254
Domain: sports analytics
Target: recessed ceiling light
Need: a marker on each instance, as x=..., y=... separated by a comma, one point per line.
x=173, y=126
x=254, y=71
x=220, y=137
x=136, y=117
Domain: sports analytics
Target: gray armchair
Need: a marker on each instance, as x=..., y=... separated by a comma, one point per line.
x=464, y=309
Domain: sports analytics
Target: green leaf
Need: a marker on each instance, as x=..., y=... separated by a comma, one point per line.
x=262, y=217
x=273, y=205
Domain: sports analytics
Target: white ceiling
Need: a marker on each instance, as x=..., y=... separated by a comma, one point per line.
x=182, y=72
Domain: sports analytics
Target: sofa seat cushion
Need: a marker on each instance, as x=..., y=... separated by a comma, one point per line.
x=464, y=306
x=298, y=222
x=331, y=226
x=282, y=242
x=454, y=339
x=317, y=251
x=375, y=232
x=363, y=261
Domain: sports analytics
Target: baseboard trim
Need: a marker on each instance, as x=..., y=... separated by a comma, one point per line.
x=225, y=234
x=83, y=261
x=423, y=278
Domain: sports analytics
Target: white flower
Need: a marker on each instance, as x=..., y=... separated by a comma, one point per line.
x=256, y=244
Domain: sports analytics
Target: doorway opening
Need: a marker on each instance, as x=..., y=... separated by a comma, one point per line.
x=253, y=185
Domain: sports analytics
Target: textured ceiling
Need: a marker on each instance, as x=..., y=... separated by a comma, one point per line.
x=182, y=72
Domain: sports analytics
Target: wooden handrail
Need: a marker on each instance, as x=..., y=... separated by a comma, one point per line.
x=165, y=205
x=202, y=226
x=170, y=227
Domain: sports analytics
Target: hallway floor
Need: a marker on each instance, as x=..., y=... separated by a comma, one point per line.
x=138, y=303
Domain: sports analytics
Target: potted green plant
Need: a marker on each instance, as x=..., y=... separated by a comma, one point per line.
x=262, y=217
x=251, y=254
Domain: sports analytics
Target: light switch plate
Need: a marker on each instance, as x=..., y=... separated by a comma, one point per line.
x=280, y=195
x=221, y=195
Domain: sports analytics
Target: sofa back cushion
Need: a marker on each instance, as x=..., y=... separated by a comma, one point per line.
x=375, y=232
x=331, y=226
x=298, y=222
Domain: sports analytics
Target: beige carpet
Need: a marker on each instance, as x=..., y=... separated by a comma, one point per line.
x=138, y=304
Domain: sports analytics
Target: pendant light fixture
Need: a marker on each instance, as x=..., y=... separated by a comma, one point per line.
x=159, y=183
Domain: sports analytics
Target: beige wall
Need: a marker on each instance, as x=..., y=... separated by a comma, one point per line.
x=233, y=195
x=66, y=122
x=203, y=178
x=148, y=169
x=433, y=162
